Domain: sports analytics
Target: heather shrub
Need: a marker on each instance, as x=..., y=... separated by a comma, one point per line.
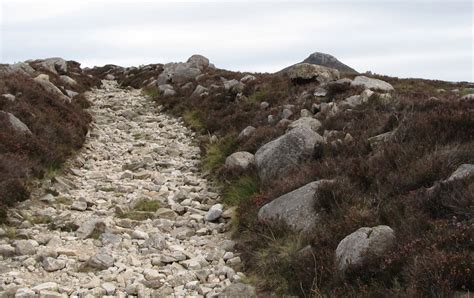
x=397, y=182
x=58, y=129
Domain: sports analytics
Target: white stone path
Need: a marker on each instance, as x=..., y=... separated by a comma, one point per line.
x=133, y=154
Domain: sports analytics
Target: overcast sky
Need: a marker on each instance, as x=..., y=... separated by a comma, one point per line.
x=428, y=39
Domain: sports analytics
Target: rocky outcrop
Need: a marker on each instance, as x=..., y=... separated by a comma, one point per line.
x=54, y=65
x=328, y=61
x=277, y=158
x=43, y=80
x=180, y=73
x=354, y=249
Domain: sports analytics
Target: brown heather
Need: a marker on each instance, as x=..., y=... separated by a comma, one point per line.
x=399, y=184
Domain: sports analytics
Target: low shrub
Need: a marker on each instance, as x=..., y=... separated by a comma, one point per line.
x=58, y=129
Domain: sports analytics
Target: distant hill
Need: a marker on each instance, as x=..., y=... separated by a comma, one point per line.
x=327, y=61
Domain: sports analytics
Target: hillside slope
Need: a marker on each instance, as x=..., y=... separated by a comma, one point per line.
x=313, y=163
x=42, y=121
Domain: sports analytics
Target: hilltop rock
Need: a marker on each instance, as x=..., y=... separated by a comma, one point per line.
x=325, y=60
x=365, y=242
x=55, y=65
x=180, y=73
x=198, y=61
x=328, y=61
x=305, y=72
x=24, y=68
x=277, y=158
x=373, y=84
x=294, y=209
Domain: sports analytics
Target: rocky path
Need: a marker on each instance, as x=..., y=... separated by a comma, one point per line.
x=130, y=216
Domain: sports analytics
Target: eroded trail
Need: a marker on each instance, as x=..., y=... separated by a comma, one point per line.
x=130, y=215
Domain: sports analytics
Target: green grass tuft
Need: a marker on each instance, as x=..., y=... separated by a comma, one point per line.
x=217, y=153
x=147, y=206
x=193, y=120
x=241, y=190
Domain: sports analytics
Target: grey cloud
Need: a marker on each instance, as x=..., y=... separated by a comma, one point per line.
x=382, y=36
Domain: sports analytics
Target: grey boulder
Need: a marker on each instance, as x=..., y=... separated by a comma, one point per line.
x=246, y=132
x=277, y=158
x=372, y=84
x=55, y=65
x=24, y=68
x=462, y=172
x=68, y=81
x=101, y=261
x=90, y=227
x=294, y=209
x=16, y=123
x=43, y=80
x=354, y=249
x=52, y=264
x=198, y=61
x=312, y=72
x=214, y=213
x=238, y=290
x=309, y=122
x=248, y=78
x=233, y=85
x=239, y=161
x=199, y=91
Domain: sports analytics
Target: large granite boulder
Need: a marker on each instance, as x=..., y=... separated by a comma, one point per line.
x=464, y=171
x=354, y=249
x=198, y=61
x=180, y=73
x=304, y=72
x=23, y=67
x=277, y=158
x=294, y=209
x=43, y=80
x=55, y=65
x=310, y=122
x=16, y=123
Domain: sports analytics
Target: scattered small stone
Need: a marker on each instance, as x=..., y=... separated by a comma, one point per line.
x=214, y=212
x=79, y=205
x=101, y=261
x=52, y=264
